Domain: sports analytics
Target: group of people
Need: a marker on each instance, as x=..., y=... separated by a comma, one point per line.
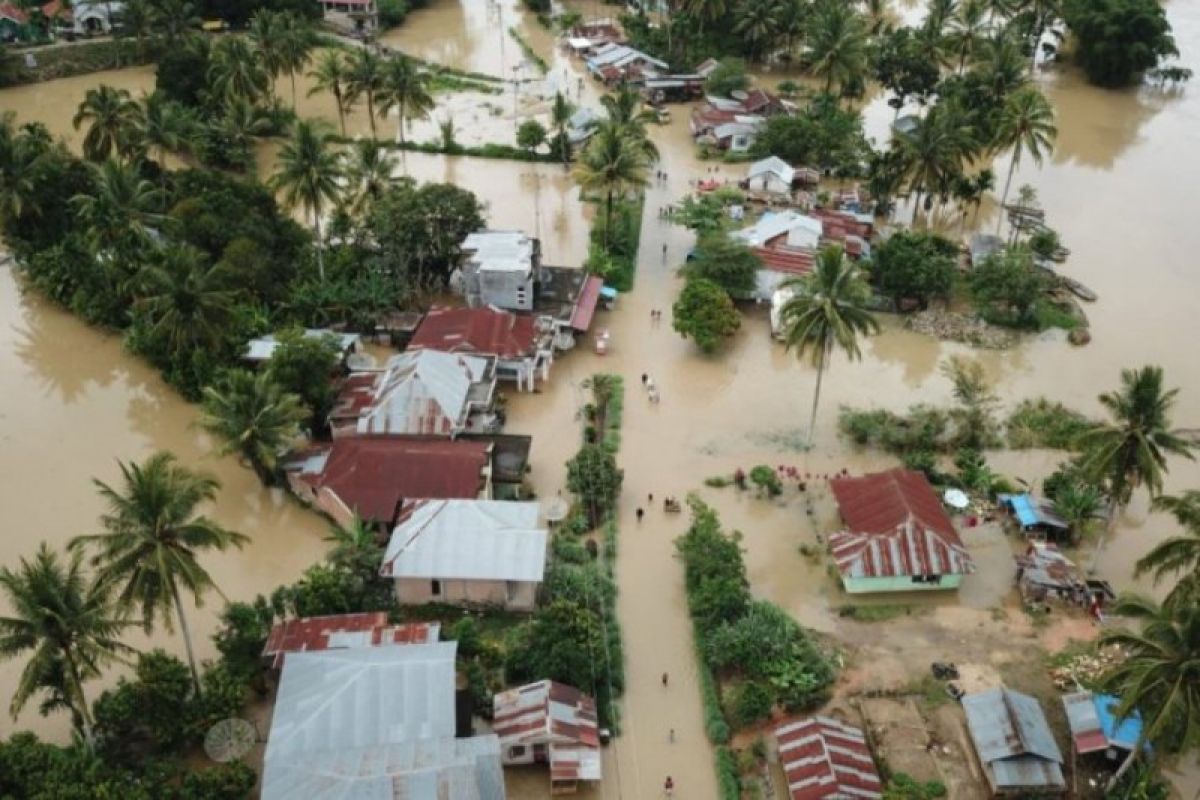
x=655, y=316
x=651, y=389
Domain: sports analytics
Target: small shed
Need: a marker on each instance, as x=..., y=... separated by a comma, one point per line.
x=1033, y=514
x=1096, y=728
x=825, y=759
x=550, y=723
x=771, y=175
x=1014, y=743
x=260, y=350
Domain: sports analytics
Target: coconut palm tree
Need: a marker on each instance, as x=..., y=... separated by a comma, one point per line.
x=1131, y=449
x=368, y=174
x=112, y=119
x=122, y=209
x=879, y=17
x=1042, y=14
x=1000, y=66
x=356, y=548
x=611, y=165
x=405, y=87
x=152, y=537
x=137, y=20
x=933, y=154
x=837, y=46
x=968, y=28
x=1179, y=554
x=308, y=175
x=65, y=623
x=164, y=127
x=560, y=122
x=332, y=74
x=236, y=72
x=1026, y=125
x=266, y=30
x=1079, y=503
x=827, y=310
x=758, y=24
x=366, y=80
x=254, y=418
x=173, y=18
x=188, y=304
x=627, y=114
x=296, y=42
x=938, y=15
x=19, y=157
x=705, y=10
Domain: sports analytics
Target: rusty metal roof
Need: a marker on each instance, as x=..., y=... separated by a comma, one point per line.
x=341, y=631
x=486, y=331
x=825, y=759
x=1013, y=739
x=556, y=715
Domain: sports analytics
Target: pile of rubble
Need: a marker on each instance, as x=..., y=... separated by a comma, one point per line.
x=957, y=327
x=1085, y=669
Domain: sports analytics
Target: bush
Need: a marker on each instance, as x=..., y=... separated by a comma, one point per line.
x=752, y=703
x=729, y=779
x=914, y=266
x=1046, y=423
x=1117, y=40
x=766, y=480
x=728, y=77
x=705, y=313
x=903, y=787
x=392, y=13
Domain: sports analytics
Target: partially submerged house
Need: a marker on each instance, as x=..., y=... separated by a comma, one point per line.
x=613, y=63
x=372, y=476
x=772, y=176
x=375, y=722
x=353, y=17
x=1045, y=573
x=342, y=632
x=1014, y=744
x=259, y=351
x=587, y=38
x=467, y=551
x=1034, y=515
x=522, y=345
x=787, y=243
x=1096, y=728
x=897, y=536
x=549, y=723
x=826, y=759
x=499, y=268
x=419, y=392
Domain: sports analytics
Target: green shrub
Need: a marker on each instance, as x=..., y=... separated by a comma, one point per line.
x=766, y=480
x=752, y=702
x=729, y=779
x=718, y=481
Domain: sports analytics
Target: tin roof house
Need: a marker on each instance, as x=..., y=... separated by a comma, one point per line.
x=1096, y=728
x=375, y=722
x=825, y=759
x=467, y=551
x=771, y=175
x=550, y=723
x=341, y=632
x=897, y=537
x=259, y=351
x=522, y=345
x=499, y=269
x=1014, y=743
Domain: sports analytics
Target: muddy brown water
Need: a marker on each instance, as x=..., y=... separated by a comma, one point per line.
x=73, y=401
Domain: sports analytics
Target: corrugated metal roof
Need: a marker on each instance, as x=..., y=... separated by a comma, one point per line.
x=1013, y=739
x=341, y=631
x=467, y=540
x=427, y=391
x=775, y=224
x=557, y=715
x=262, y=348
x=585, y=304
x=485, y=331
x=499, y=251
x=773, y=165
x=1094, y=724
x=825, y=759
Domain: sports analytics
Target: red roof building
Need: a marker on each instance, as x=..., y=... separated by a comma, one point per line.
x=895, y=529
x=825, y=759
x=521, y=346
x=548, y=721
x=343, y=631
x=372, y=476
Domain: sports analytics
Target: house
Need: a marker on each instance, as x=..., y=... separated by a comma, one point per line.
x=372, y=476
x=897, y=536
x=375, y=722
x=1034, y=514
x=499, y=269
x=521, y=345
x=84, y=18
x=422, y=392
x=582, y=125
x=15, y=25
x=786, y=242
x=825, y=759
x=467, y=551
x=1096, y=728
x=659, y=89
x=762, y=103
x=587, y=38
x=613, y=63
x=1014, y=744
x=706, y=67
x=342, y=631
x=353, y=17
x=1044, y=573
x=259, y=351
x=549, y=723
x=739, y=135
x=771, y=175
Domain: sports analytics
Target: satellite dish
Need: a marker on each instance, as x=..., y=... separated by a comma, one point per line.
x=739, y=94
x=229, y=740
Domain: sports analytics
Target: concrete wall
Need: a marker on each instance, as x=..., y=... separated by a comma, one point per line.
x=517, y=596
x=898, y=584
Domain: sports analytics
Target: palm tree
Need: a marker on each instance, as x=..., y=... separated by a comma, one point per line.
x=356, y=548
x=137, y=20
x=967, y=29
x=67, y=625
x=1179, y=553
x=366, y=80
x=121, y=210
x=1078, y=503
x=837, y=46
x=705, y=10
x=611, y=165
x=627, y=114
x=1000, y=66
x=254, y=418
x=933, y=154
x=368, y=173
x=758, y=24
x=1026, y=125
x=404, y=87
x=332, y=74
x=165, y=127
x=174, y=18
x=296, y=42
x=18, y=159
x=235, y=72
x=308, y=172
x=560, y=122
x=152, y=537
x=938, y=15
x=1131, y=450
x=112, y=118
x=828, y=309
x=190, y=305
x=1043, y=13
x=266, y=31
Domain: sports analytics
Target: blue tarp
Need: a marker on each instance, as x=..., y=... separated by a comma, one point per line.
x=1030, y=512
x=1126, y=734
x=608, y=293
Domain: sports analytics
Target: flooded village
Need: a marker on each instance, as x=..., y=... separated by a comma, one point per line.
x=921, y=606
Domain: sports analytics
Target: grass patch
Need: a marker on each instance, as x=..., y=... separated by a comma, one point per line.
x=718, y=481
x=441, y=81
x=1048, y=314
x=929, y=691
x=874, y=613
x=1045, y=423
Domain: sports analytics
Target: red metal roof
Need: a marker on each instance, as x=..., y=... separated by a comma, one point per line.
x=322, y=633
x=373, y=475
x=847, y=222
x=556, y=715
x=790, y=260
x=487, y=331
x=585, y=304
x=895, y=526
x=17, y=15
x=825, y=759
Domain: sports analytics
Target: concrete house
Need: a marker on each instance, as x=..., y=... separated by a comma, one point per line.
x=340, y=632
x=897, y=536
x=500, y=268
x=522, y=345
x=421, y=392
x=353, y=17
x=826, y=759
x=550, y=723
x=771, y=175
x=467, y=551
x=1014, y=744
x=375, y=722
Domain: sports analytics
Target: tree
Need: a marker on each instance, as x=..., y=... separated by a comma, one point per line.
x=266, y=32
x=1131, y=449
x=727, y=262
x=332, y=74
x=152, y=539
x=837, y=46
x=627, y=115
x=368, y=174
x=366, y=80
x=531, y=135
x=136, y=18
x=235, y=72
x=828, y=309
x=593, y=476
x=1009, y=281
x=356, y=549
x=65, y=623
x=968, y=28
x=727, y=77
x=112, y=119
x=1078, y=502
x=305, y=366
x=758, y=24
x=611, y=165
x=153, y=709
x=308, y=174
x=1026, y=125
x=296, y=42
x=564, y=642
x=560, y=122
x=19, y=158
x=182, y=73
x=705, y=11
x=705, y=313
x=254, y=418
x=915, y=266
x=188, y=304
x=975, y=416
x=1178, y=554
x=404, y=86
x=119, y=213
x=1118, y=40
x=903, y=66
x=174, y=18
x=823, y=135
x=165, y=127
x=934, y=153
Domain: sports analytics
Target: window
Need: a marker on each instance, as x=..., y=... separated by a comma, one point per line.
x=934, y=579
x=516, y=751
x=435, y=588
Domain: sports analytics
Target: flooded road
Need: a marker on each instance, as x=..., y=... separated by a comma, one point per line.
x=1114, y=189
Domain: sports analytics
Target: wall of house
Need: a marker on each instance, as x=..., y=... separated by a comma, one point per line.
x=770, y=183
x=518, y=596
x=898, y=584
x=509, y=290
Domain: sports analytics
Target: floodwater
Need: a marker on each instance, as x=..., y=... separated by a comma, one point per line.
x=1114, y=189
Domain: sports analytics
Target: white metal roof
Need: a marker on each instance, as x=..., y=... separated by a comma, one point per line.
x=773, y=165
x=777, y=223
x=500, y=251
x=262, y=348
x=424, y=391
x=467, y=540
